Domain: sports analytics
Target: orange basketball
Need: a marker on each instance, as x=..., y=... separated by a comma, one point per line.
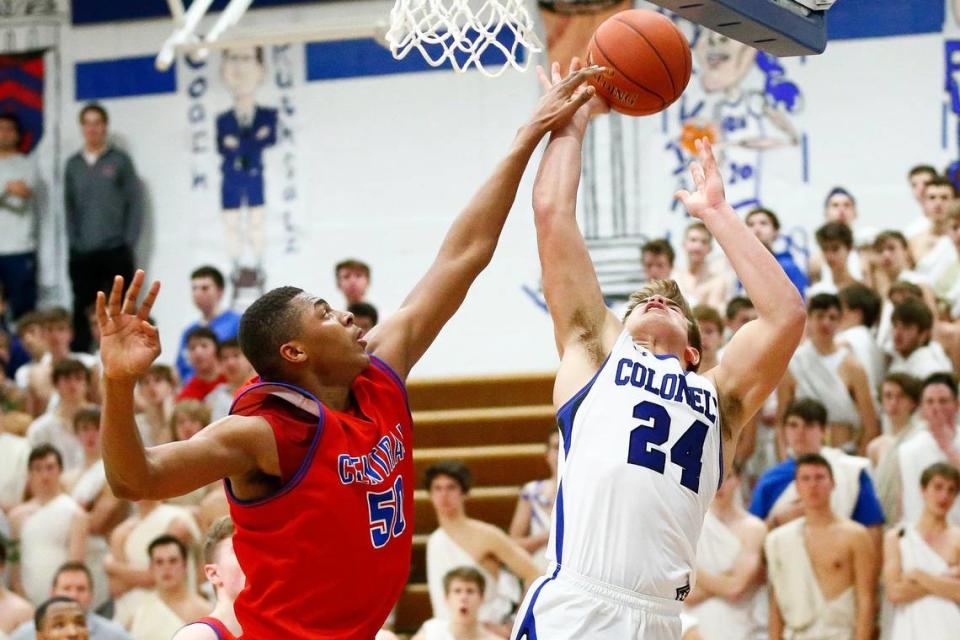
x=647, y=59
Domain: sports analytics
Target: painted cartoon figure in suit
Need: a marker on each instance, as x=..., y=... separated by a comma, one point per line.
x=243, y=133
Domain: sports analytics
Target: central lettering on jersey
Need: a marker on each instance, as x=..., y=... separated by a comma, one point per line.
x=669, y=386
x=377, y=465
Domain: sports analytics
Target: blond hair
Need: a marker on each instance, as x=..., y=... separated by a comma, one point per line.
x=671, y=291
x=193, y=409
x=222, y=529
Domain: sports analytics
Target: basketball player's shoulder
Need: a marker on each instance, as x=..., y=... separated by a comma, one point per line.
x=196, y=631
x=234, y=427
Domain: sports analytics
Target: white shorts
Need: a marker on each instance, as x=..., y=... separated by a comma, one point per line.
x=567, y=606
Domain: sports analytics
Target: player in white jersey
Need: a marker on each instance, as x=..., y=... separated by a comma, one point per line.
x=643, y=435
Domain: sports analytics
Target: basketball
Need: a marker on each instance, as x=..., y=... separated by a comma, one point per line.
x=647, y=59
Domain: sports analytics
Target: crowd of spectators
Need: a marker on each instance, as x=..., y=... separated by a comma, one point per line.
x=839, y=518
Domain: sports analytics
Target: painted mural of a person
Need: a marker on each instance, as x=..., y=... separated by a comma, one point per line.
x=243, y=133
x=744, y=121
x=951, y=50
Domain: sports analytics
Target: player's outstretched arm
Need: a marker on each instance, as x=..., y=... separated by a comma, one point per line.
x=584, y=328
x=757, y=355
x=469, y=245
x=129, y=344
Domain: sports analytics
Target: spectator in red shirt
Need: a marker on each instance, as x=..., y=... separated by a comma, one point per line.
x=203, y=352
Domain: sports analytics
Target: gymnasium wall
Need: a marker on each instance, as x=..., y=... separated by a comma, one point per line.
x=374, y=163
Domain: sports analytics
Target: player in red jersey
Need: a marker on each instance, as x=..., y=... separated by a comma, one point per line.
x=317, y=456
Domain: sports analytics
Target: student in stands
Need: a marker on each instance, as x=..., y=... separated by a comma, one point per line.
x=51, y=528
x=859, y=312
x=207, y=287
x=364, y=315
x=711, y=338
x=776, y=498
x=939, y=442
x=224, y=573
x=899, y=399
x=463, y=589
x=463, y=541
x=155, y=391
x=729, y=567
x=824, y=590
x=203, y=352
x=766, y=227
x=72, y=381
x=353, y=280
x=530, y=526
x=36, y=377
x=932, y=249
x=835, y=240
x=174, y=600
x=894, y=262
x=700, y=282
x=89, y=488
x=657, y=257
x=821, y=369
x=914, y=353
x=237, y=370
x=920, y=564
x=128, y=563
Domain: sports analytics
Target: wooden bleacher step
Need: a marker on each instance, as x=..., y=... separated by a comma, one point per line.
x=481, y=391
x=508, y=464
x=478, y=427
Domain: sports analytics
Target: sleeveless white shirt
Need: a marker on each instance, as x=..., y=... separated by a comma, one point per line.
x=640, y=461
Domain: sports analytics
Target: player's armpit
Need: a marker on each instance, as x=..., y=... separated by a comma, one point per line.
x=753, y=364
x=234, y=446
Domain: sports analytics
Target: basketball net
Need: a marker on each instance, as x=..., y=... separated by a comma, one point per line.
x=487, y=34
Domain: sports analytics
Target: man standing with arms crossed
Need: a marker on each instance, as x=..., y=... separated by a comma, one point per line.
x=332, y=430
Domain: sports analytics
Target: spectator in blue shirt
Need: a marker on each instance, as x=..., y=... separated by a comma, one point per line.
x=775, y=497
x=207, y=285
x=766, y=226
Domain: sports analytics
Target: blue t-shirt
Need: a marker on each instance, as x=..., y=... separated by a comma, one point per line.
x=775, y=481
x=224, y=326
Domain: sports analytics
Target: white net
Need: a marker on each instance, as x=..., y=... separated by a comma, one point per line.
x=490, y=35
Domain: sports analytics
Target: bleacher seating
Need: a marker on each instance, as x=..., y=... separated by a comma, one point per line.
x=498, y=426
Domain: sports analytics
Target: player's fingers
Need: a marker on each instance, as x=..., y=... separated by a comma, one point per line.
x=575, y=79
x=696, y=172
x=133, y=292
x=542, y=77
x=102, y=318
x=682, y=196
x=707, y=158
x=583, y=96
x=113, y=304
x=555, y=72
x=151, y=297
x=575, y=64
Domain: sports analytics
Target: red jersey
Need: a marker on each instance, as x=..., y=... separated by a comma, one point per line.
x=218, y=628
x=197, y=389
x=328, y=555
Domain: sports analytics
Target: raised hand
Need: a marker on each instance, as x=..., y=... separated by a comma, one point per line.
x=563, y=97
x=128, y=342
x=594, y=106
x=708, y=197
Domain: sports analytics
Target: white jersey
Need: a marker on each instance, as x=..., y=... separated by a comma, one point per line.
x=642, y=458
